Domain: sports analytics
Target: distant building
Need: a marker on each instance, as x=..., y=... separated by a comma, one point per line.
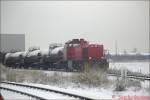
x=12, y=42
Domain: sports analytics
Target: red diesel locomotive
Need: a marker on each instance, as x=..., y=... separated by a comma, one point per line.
x=79, y=52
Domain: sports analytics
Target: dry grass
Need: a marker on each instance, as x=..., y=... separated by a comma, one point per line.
x=123, y=84
x=89, y=78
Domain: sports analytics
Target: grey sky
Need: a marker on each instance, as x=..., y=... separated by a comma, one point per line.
x=103, y=22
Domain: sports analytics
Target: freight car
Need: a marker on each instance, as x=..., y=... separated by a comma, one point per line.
x=14, y=59
x=73, y=56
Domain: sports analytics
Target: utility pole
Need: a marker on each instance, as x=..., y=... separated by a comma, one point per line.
x=116, y=47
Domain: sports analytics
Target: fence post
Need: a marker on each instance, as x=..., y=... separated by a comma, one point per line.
x=124, y=76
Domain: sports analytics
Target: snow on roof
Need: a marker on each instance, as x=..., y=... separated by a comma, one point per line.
x=56, y=50
x=42, y=52
x=45, y=51
x=16, y=54
x=7, y=55
x=33, y=53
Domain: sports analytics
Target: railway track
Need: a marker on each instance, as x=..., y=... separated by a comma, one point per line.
x=41, y=88
x=23, y=93
x=131, y=76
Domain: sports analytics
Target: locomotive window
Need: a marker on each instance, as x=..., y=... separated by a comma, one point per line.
x=76, y=45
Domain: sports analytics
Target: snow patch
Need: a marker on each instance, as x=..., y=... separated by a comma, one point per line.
x=142, y=67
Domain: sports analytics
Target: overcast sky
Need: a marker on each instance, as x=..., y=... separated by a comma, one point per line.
x=45, y=22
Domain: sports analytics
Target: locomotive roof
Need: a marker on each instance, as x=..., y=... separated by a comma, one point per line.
x=76, y=41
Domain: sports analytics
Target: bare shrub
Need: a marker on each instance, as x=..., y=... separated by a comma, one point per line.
x=120, y=85
x=35, y=76
x=134, y=83
x=2, y=72
x=14, y=75
x=56, y=79
x=91, y=78
x=11, y=76
x=7, y=74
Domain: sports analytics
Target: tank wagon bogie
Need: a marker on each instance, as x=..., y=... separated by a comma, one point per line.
x=73, y=56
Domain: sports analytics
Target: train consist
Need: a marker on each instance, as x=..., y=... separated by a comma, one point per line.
x=73, y=56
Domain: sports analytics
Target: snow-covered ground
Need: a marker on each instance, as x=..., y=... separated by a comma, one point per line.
x=99, y=93
x=143, y=67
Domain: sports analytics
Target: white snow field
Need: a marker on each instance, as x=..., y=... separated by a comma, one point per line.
x=96, y=93
x=99, y=93
x=143, y=67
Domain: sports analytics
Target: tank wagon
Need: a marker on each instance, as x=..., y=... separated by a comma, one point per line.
x=73, y=56
x=14, y=59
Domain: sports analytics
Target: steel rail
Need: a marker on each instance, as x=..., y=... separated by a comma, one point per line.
x=132, y=76
x=24, y=93
x=51, y=90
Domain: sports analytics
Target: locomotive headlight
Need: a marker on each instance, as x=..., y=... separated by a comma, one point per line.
x=90, y=57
